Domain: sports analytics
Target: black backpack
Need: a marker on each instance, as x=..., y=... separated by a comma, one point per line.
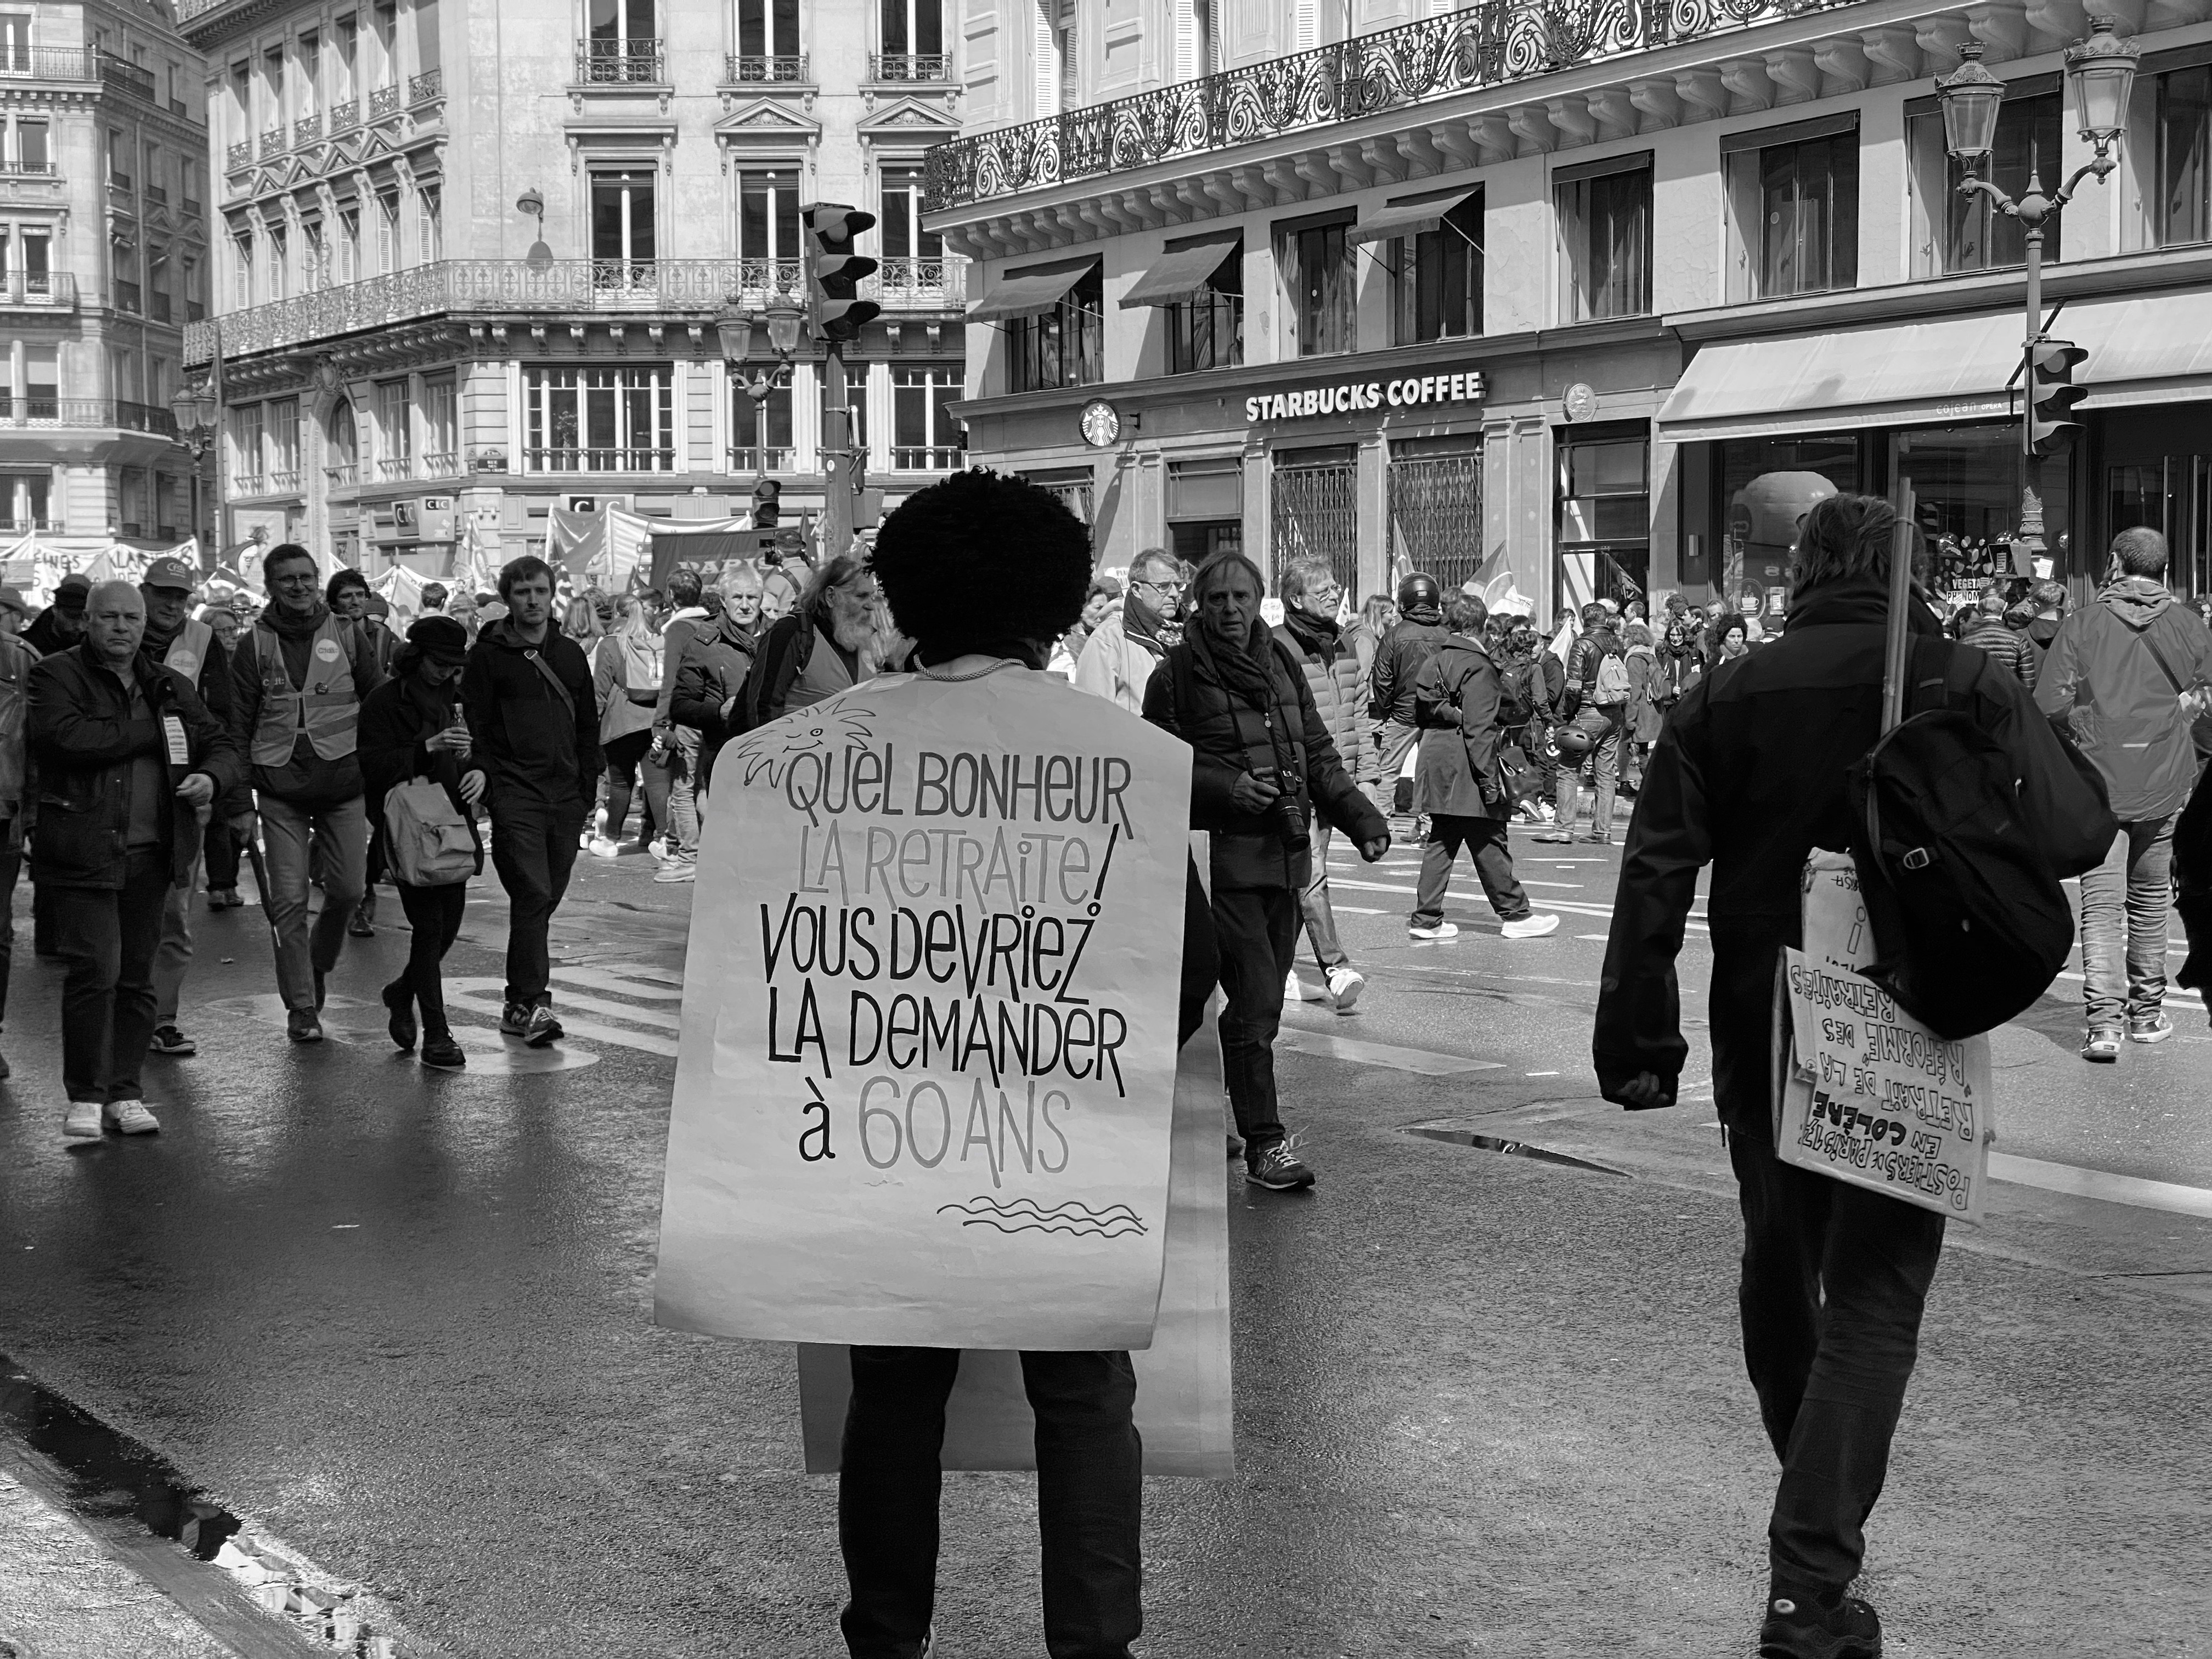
x=1516, y=701
x=1971, y=925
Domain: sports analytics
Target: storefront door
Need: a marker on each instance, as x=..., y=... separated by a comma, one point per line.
x=1314, y=510
x=1965, y=485
x=2157, y=470
x=1604, y=516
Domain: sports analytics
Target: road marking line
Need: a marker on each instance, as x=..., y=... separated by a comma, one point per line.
x=1696, y=921
x=1422, y=1060
x=1601, y=938
x=483, y=996
x=605, y=978
x=2101, y=1184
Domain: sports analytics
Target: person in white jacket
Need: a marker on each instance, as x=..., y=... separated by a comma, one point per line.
x=1122, y=651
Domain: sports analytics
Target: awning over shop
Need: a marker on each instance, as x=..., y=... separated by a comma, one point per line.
x=1025, y=293
x=1407, y=219
x=2143, y=348
x=1181, y=273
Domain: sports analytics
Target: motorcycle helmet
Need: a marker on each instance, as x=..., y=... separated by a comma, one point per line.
x=1419, y=592
x=1571, y=743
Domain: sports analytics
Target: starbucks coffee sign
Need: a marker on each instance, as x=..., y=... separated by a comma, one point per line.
x=1354, y=397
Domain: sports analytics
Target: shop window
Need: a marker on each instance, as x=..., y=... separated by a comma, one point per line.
x=1313, y=501
x=1604, y=210
x=1435, y=283
x=2182, y=211
x=1436, y=506
x=1793, y=209
x=1072, y=485
x=1205, y=508
x=1952, y=233
x=1965, y=482
x=1604, y=518
x=925, y=438
x=1763, y=488
x=601, y=420
x=761, y=431
x=1207, y=331
x=1318, y=287
x=1064, y=346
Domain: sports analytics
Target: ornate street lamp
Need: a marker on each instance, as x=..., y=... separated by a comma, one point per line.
x=198, y=411
x=2103, y=71
x=734, y=328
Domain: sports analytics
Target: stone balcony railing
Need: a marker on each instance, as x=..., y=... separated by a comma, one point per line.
x=1494, y=43
x=44, y=290
x=75, y=63
x=116, y=412
x=695, y=288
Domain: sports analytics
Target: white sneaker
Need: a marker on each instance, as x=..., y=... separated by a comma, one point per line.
x=675, y=871
x=600, y=847
x=1530, y=927
x=82, y=1122
x=1296, y=990
x=131, y=1117
x=1438, y=930
x=1344, y=985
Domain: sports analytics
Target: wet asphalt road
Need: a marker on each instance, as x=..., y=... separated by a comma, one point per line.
x=1484, y=1405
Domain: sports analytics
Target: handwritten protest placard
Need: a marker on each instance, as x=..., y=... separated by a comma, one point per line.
x=1870, y=1096
x=927, y=1068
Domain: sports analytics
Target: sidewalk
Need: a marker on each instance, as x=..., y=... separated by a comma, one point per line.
x=63, y=1596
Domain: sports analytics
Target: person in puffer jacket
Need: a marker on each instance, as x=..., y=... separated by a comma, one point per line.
x=1310, y=629
x=1987, y=632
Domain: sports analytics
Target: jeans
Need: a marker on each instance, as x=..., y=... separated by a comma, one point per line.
x=1090, y=1498
x=670, y=797
x=1256, y=933
x=1834, y=1283
x=331, y=841
x=1605, y=761
x=107, y=938
x=174, y=955
x=1314, y=906
x=1485, y=839
x=435, y=915
x=2135, y=872
x=534, y=847
x=1392, y=743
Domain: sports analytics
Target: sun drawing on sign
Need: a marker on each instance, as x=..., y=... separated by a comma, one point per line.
x=1026, y=1215
x=768, y=753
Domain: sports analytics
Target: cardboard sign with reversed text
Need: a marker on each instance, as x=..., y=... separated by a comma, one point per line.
x=926, y=1069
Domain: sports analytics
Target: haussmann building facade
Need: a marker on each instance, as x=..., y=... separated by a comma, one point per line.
x=1585, y=296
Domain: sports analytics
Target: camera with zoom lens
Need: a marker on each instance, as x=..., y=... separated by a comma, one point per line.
x=1286, y=809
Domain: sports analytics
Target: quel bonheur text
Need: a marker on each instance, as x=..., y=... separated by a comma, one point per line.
x=931, y=970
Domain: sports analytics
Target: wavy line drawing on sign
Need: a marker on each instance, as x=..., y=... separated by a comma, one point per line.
x=769, y=751
x=1026, y=1215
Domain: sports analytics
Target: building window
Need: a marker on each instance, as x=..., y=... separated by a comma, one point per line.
x=245, y=449
x=768, y=228
x=23, y=497
x=2182, y=212
x=166, y=516
x=1793, y=209
x=431, y=229
x=278, y=263
x=925, y=438
x=33, y=150
x=395, y=436
x=768, y=29
x=1318, y=288
x=1604, y=238
x=912, y=28
x=349, y=248
x=387, y=231
x=15, y=42
x=621, y=227
x=1208, y=331
x=599, y=420
x=311, y=71
x=272, y=88
x=346, y=446
x=36, y=249
x=623, y=45
x=1953, y=234
x=1604, y=519
x=195, y=296
x=760, y=430
x=1437, y=277
x=1063, y=346
x=1058, y=56
x=440, y=431
x=118, y=159
x=1314, y=511
x=1198, y=51
x=899, y=220
x=284, y=445
x=130, y=501
x=157, y=284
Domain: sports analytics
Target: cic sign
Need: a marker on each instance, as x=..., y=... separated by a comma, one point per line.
x=1351, y=397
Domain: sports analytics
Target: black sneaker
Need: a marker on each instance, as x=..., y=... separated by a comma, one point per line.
x=1798, y=1625
x=442, y=1053
x=401, y=1001
x=301, y=1026
x=1276, y=1166
x=541, y=1027
x=168, y=1040
x=514, y=1019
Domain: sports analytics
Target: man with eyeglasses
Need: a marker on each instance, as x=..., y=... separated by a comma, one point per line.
x=1118, y=658
x=1311, y=631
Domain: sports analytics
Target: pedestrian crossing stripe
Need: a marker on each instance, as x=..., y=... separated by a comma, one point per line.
x=486, y=996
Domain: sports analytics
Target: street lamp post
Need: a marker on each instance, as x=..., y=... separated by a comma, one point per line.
x=2103, y=71
x=733, y=328
x=198, y=411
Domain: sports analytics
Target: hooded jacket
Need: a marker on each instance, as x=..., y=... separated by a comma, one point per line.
x=1398, y=663
x=1748, y=776
x=1455, y=702
x=532, y=745
x=2101, y=681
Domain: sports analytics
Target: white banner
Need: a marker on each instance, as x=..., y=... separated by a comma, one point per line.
x=927, y=1068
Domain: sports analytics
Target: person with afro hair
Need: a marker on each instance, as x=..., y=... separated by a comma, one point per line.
x=983, y=573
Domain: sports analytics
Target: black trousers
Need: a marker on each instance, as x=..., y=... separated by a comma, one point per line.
x=1485, y=841
x=435, y=913
x=1090, y=1498
x=11, y=868
x=534, y=847
x=222, y=848
x=1835, y=1279
x=1256, y=933
x=107, y=938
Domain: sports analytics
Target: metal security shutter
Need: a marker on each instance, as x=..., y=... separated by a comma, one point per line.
x=1314, y=509
x=1436, y=512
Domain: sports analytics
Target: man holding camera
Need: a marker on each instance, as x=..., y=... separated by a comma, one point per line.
x=1263, y=764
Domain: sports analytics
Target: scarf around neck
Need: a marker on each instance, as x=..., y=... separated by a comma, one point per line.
x=1156, y=635
x=296, y=628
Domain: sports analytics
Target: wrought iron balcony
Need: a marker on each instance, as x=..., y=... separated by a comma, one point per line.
x=910, y=66
x=422, y=88
x=441, y=464
x=935, y=459
x=762, y=457
x=115, y=412
x=1495, y=43
x=47, y=290
x=390, y=467
x=383, y=101
x=285, y=480
x=307, y=128
x=743, y=68
x=599, y=460
x=345, y=117
x=604, y=62
x=926, y=284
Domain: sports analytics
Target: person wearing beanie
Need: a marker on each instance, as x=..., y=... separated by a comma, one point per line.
x=411, y=727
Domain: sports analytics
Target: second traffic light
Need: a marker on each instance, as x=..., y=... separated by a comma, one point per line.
x=2052, y=395
x=834, y=272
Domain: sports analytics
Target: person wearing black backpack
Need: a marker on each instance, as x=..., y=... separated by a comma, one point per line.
x=1749, y=775
x=2127, y=675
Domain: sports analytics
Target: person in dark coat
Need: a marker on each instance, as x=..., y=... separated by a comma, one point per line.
x=710, y=681
x=127, y=757
x=1412, y=640
x=1460, y=785
x=1749, y=776
x=411, y=727
x=534, y=720
x=1264, y=765
x=61, y=624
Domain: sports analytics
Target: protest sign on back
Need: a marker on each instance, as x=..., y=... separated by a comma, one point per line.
x=926, y=1067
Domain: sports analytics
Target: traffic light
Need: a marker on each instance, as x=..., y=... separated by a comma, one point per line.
x=2052, y=395
x=834, y=271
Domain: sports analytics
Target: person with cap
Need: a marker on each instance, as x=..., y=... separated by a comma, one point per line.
x=13, y=613
x=411, y=727
x=61, y=624
x=181, y=642
x=16, y=660
x=127, y=756
x=297, y=681
x=1418, y=634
